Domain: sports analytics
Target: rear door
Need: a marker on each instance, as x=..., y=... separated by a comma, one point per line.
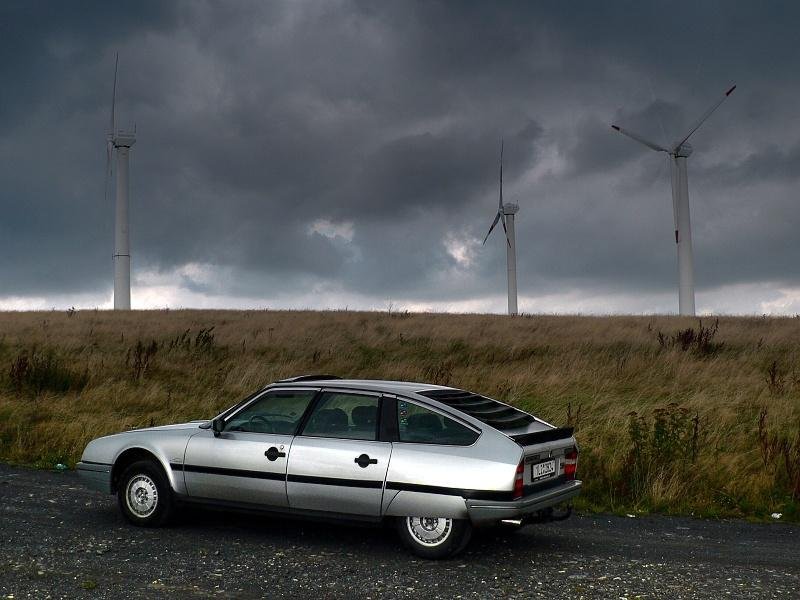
x=336, y=463
x=247, y=462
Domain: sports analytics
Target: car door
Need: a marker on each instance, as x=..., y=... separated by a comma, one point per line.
x=247, y=461
x=337, y=463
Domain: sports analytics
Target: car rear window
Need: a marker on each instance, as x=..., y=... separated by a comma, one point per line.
x=421, y=425
x=493, y=413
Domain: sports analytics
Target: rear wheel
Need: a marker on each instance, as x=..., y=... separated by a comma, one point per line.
x=144, y=495
x=434, y=537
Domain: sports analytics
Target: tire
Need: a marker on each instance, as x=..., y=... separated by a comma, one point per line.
x=144, y=495
x=434, y=538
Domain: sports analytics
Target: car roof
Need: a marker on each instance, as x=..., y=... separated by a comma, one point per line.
x=372, y=385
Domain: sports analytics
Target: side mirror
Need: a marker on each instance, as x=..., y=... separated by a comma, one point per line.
x=217, y=425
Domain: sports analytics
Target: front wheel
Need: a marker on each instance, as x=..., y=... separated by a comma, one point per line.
x=434, y=537
x=144, y=495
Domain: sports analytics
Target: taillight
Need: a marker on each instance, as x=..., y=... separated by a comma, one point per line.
x=571, y=463
x=519, y=486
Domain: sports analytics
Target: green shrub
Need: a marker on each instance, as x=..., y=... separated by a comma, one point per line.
x=660, y=447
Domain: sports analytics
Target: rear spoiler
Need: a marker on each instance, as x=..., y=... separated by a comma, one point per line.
x=540, y=437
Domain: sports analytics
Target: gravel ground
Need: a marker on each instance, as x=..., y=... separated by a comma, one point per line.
x=58, y=540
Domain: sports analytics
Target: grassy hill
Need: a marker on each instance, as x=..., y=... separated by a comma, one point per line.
x=672, y=414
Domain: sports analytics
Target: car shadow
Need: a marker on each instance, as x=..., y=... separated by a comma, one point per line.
x=373, y=541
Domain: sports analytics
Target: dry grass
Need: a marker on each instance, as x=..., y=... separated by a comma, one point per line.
x=693, y=445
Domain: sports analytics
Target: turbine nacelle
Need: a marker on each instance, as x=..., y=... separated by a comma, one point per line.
x=684, y=150
x=123, y=139
x=510, y=209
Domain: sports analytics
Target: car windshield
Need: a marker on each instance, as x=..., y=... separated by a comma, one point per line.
x=275, y=412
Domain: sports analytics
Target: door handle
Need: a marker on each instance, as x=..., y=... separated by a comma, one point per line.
x=274, y=454
x=364, y=460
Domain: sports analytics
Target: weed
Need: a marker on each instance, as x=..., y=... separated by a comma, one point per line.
x=775, y=378
x=182, y=341
x=36, y=372
x=142, y=356
x=204, y=341
x=439, y=372
x=573, y=420
x=781, y=449
x=700, y=340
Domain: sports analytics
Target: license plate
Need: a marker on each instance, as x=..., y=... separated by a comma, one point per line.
x=543, y=469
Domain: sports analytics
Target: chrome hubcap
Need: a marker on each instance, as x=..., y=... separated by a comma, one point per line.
x=429, y=531
x=141, y=496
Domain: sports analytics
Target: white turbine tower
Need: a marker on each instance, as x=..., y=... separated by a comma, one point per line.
x=505, y=215
x=678, y=154
x=121, y=141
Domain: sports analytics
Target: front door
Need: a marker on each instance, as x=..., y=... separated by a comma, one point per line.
x=336, y=463
x=247, y=461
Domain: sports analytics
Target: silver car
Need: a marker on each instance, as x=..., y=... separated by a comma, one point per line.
x=436, y=461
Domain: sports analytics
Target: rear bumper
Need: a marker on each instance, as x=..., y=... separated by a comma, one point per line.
x=95, y=476
x=486, y=511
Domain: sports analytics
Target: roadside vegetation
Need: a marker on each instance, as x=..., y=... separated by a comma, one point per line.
x=672, y=414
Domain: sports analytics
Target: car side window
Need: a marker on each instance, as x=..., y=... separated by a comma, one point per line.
x=346, y=416
x=275, y=412
x=424, y=426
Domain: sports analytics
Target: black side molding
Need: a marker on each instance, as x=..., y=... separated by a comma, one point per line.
x=448, y=491
x=540, y=437
x=91, y=462
x=229, y=472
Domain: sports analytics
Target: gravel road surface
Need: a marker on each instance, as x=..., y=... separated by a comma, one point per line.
x=58, y=540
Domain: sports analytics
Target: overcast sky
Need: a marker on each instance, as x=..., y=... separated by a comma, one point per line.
x=345, y=154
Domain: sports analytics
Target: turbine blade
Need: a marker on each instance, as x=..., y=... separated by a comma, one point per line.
x=109, y=150
x=494, y=224
x=501, y=175
x=503, y=219
x=640, y=139
x=113, y=121
x=702, y=119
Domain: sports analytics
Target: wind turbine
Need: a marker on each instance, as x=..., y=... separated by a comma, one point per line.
x=121, y=141
x=505, y=215
x=678, y=154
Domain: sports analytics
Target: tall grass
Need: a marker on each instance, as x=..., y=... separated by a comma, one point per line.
x=672, y=414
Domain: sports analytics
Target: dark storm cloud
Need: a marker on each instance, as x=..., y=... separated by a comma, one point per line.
x=430, y=173
x=770, y=163
x=256, y=120
x=40, y=43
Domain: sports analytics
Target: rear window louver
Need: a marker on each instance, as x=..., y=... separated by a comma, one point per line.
x=486, y=410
